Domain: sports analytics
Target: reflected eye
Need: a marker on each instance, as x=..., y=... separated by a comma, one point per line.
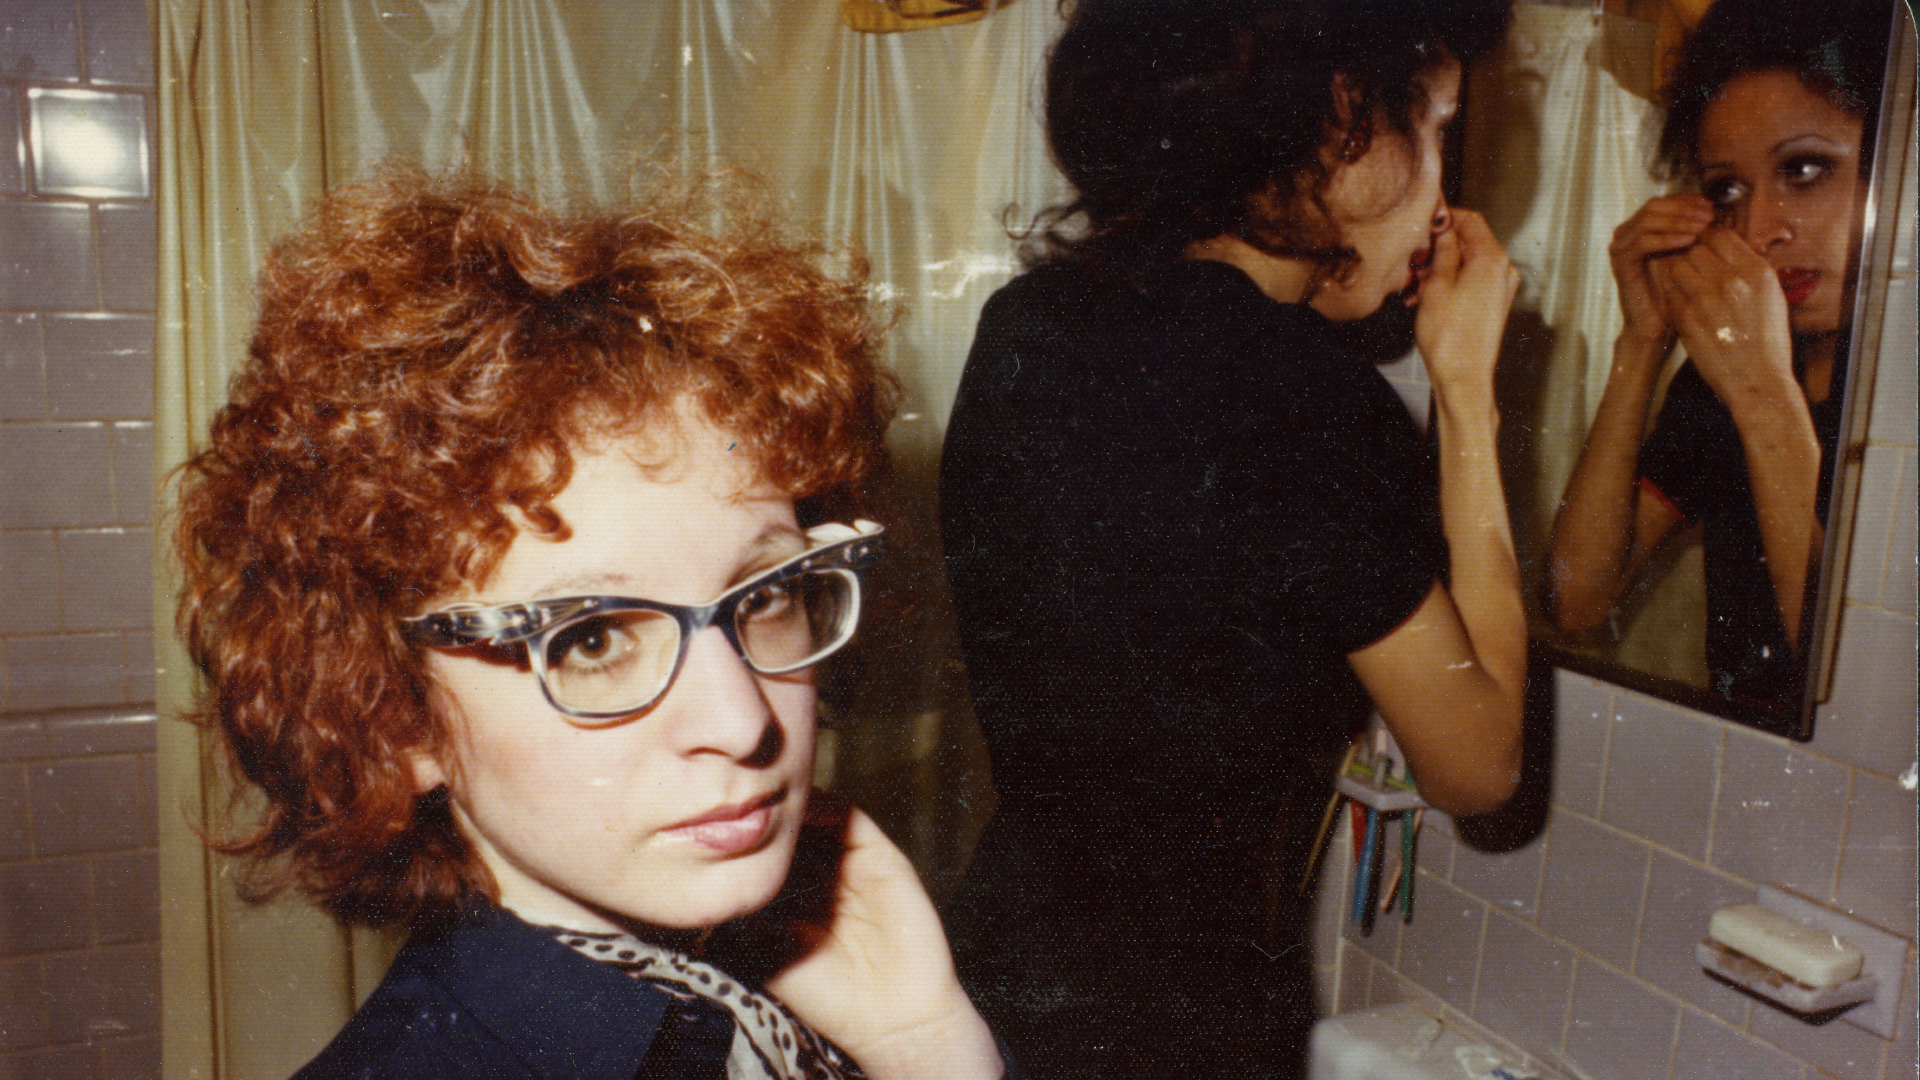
x=1724, y=191
x=1806, y=169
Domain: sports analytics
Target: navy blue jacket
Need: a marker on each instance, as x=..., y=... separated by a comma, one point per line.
x=497, y=998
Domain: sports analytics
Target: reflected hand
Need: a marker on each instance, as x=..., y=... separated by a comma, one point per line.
x=1464, y=301
x=1725, y=302
x=1667, y=224
x=854, y=947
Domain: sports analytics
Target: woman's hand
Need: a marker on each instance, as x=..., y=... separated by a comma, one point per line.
x=1463, y=303
x=860, y=955
x=1725, y=302
x=1669, y=223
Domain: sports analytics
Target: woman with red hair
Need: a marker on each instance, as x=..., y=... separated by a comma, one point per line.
x=507, y=564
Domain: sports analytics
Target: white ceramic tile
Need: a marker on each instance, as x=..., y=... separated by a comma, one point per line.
x=40, y=39
x=1661, y=761
x=54, y=476
x=1834, y=1048
x=1869, y=719
x=1892, y=419
x=139, y=670
x=132, y=473
x=1681, y=900
x=106, y=580
x=118, y=46
x=1583, y=711
x=1440, y=948
x=1780, y=814
x=29, y=569
x=1902, y=1059
x=1591, y=892
x=65, y=671
x=1620, y=1029
x=1898, y=592
x=13, y=176
x=1873, y=522
x=1707, y=1050
x=100, y=368
x=1508, y=880
x=1523, y=985
x=1877, y=866
x=23, y=371
x=46, y=257
x=128, y=257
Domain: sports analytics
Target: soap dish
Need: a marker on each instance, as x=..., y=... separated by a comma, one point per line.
x=1862, y=999
x=1743, y=970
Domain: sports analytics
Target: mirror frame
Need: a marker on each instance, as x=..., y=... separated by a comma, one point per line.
x=1879, y=231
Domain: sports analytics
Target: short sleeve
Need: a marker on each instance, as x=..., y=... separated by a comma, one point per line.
x=1687, y=456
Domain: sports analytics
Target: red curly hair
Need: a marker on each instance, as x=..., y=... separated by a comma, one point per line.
x=428, y=351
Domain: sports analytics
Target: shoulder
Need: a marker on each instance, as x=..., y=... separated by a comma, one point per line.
x=495, y=997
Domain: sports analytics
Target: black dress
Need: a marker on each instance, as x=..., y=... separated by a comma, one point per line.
x=1170, y=509
x=1695, y=462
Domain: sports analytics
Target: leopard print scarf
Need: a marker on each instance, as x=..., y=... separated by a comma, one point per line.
x=769, y=1043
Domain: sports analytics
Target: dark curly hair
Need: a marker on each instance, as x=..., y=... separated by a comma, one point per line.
x=1838, y=48
x=428, y=351
x=1180, y=120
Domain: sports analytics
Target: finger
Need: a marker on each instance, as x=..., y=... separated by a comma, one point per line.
x=1446, y=255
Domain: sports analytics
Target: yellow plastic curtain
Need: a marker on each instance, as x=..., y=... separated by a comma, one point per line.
x=912, y=144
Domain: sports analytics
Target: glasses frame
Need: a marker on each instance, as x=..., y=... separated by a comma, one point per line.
x=534, y=622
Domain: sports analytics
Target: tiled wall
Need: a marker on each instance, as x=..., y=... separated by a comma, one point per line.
x=79, y=907
x=1576, y=947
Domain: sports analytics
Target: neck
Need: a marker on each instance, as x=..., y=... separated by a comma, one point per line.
x=1813, y=356
x=1284, y=280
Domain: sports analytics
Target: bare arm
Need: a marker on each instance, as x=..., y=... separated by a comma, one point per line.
x=1607, y=526
x=1730, y=313
x=1449, y=681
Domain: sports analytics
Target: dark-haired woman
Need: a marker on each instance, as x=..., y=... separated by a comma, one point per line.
x=1193, y=538
x=507, y=565
x=1766, y=113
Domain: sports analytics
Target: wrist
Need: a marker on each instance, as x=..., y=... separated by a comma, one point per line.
x=956, y=1045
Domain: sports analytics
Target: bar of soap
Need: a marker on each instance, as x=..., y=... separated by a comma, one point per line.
x=1808, y=954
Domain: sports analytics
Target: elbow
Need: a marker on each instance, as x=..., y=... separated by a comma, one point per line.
x=1574, y=610
x=1483, y=795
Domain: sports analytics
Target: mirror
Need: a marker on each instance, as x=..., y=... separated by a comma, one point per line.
x=1559, y=133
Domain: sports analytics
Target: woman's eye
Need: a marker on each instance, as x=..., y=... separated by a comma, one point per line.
x=1805, y=170
x=767, y=602
x=1724, y=191
x=585, y=643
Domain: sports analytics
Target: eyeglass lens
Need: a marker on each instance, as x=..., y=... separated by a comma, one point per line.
x=615, y=661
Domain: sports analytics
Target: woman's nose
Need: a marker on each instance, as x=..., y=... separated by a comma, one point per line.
x=716, y=705
x=1762, y=221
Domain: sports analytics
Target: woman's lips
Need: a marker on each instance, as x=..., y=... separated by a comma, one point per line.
x=1798, y=285
x=1417, y=264
x=730, y=830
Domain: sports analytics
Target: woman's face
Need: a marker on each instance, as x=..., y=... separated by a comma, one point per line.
x=1386, y=205
x=1782, y=164
x=683, y=815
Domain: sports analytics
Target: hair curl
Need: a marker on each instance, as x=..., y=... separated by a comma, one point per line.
x=428, y=351
x=1180, y=120
x=1837, y=48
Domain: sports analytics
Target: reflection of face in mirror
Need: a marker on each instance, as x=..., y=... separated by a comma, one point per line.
x=1749, y=275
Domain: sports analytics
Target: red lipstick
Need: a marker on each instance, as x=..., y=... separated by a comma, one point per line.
x=1798, y=285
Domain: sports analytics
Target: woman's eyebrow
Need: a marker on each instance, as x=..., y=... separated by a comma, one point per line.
x=1791, y=142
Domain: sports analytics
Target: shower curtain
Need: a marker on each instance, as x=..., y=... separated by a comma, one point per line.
x=915, y=145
